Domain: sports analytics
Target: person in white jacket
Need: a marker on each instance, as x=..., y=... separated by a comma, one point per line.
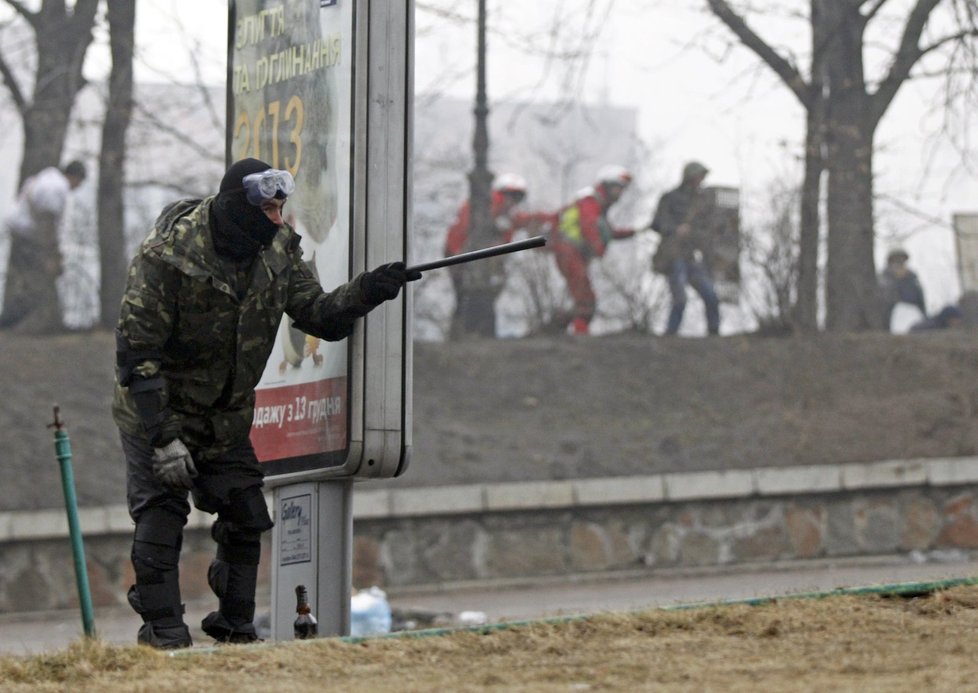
x=30, y=295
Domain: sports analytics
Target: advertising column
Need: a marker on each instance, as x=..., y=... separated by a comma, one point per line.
x=289, y=104
x=322, y=89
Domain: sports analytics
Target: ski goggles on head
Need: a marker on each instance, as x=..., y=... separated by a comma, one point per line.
x=267, y=185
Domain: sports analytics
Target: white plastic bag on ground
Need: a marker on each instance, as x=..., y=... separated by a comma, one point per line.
x=903, y=317
x=370, y=614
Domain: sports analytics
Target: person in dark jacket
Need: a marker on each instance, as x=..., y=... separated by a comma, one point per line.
x=682, y=255
x=899, y=284
x=204, y=298
x=949, y=317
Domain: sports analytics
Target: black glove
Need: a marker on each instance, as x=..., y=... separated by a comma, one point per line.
x=385, y=282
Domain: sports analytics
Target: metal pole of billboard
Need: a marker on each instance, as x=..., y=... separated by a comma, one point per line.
x=336, y=556
x=313, y=546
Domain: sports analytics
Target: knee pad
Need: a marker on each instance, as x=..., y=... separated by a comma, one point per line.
x=156, y=545
x=246, y=508
x=238, y=528
x=234, y=545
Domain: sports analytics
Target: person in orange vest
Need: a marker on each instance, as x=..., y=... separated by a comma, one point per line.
x=583, y=232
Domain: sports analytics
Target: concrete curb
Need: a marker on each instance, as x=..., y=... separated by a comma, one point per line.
x=564, y=494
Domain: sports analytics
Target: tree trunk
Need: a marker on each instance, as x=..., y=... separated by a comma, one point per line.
x=851, y=297
x=62, y=40
x=111, y=178
x=806, y=306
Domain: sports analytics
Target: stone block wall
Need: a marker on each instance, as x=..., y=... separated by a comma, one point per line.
x=486, y=532
x=695, y=534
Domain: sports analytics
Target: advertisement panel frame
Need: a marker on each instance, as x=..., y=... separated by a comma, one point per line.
x=378, y=378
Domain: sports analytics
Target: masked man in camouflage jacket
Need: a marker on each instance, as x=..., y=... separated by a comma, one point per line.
x=205, y=296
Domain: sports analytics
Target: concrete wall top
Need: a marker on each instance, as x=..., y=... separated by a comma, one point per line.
x=501, y=497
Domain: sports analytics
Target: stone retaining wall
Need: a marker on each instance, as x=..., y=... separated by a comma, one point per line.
x=427, y=536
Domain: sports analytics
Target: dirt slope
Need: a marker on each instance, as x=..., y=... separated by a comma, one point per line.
x=866, y=643
x=558, y=408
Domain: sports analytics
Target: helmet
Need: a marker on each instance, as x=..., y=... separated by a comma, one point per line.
x=510, y=183
x=612, y=174
x=694, y=169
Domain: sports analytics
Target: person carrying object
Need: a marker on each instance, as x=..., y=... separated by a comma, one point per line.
x=683, y=252
x=899, y=284
x=30, y=303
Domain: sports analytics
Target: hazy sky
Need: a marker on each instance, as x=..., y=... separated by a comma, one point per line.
x=698, y=96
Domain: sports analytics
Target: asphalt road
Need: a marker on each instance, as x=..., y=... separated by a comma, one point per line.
x=29, y=633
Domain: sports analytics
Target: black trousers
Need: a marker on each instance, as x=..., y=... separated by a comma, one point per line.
x=228, y=485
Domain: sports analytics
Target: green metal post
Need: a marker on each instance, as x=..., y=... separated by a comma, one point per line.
x=62, y=448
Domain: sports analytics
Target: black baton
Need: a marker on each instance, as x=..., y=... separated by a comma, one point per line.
x=493, y=251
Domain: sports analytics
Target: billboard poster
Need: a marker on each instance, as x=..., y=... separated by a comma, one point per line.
x=721, y=222
x=290, y=82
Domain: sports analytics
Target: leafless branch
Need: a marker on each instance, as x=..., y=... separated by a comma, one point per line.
x=787, y=72
x=906, y=56
x=21, y=9
x=13, y=87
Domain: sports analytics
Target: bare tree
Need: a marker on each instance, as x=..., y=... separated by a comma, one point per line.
x=111, y=181
x=844, y=106
x=62, y=34
x=771, y=251
x=61, y=37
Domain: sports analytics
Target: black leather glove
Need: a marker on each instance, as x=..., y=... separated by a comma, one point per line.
x=385, y=282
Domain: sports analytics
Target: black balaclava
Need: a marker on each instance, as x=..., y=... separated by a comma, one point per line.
x=240, y=229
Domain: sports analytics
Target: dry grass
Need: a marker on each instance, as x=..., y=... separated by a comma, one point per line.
x=864, y=643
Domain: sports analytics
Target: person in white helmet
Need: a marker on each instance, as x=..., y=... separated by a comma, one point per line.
x=582, y=233
x=508, y=191
x=681, y=255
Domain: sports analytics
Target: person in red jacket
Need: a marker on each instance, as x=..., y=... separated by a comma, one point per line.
x=582, y=233
x=508, y=191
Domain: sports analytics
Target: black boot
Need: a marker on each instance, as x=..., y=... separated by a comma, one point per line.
x=156, y=594
x=163, y=627
x=219, y=628
x=234, y=584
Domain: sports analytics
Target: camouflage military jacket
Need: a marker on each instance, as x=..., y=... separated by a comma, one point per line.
x=212, y=345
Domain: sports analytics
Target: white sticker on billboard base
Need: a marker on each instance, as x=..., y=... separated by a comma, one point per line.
x=295, y=529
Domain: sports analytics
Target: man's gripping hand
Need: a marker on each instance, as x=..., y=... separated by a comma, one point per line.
x=385, y=282
x=173, y=466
